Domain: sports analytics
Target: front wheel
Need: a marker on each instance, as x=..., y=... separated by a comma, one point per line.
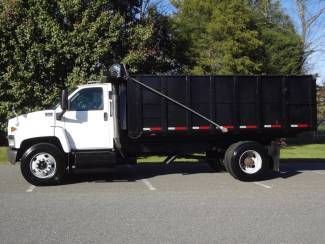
x=43, y=164
x=247, y=161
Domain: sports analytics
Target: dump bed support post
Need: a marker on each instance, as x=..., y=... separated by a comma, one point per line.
x=313, y=107
x=258, y=103
x=212, y=98
x=284, y=104
x=188, y=103
x=274, y=153
x=235, y=104
x=163, y=107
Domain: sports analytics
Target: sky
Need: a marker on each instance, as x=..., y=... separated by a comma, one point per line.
x=316, y=63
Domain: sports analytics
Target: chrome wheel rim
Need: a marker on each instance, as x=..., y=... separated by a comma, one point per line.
x=43, y=165
x=250, y=162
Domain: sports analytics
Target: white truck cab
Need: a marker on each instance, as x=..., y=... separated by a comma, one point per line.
x=87, y=124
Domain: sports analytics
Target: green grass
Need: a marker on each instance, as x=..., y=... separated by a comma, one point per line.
x=3, y=155
x=151, y=159
x=304, y=151
x=321, y=128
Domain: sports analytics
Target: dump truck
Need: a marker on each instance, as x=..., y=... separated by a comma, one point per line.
x=235, y=121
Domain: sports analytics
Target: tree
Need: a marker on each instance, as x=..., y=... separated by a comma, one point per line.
x=47, y=45
x=190, y=23
x=238, y=37
x=164, y=53
x=283, y=46
x=320, y=97
x=233, y=40
x=283, y=52
x=309, y=13
x=221, y=34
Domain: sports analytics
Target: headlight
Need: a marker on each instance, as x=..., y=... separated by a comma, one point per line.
x=13, y=129
x=11, y=141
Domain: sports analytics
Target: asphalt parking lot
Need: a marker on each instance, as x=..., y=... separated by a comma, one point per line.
x=180, y=203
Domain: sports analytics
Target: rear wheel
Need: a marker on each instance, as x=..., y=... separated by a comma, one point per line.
x=43, y=164
x=247, y=161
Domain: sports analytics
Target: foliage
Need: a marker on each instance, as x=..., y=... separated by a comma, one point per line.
x=283, y=47
x=47, y=45
x=238, y=37
x=320, y=96
x=283, y=52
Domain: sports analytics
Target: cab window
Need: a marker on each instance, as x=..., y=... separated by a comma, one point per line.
x=87, y=99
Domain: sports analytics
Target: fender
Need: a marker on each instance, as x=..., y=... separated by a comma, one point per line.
x=61, y=134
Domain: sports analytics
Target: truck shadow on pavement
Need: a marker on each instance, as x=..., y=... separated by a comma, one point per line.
x=130, y=173
x=300, y=165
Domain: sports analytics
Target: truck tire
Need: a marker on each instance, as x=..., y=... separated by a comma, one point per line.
x=43, y=164
x=247, y=161
x=229, y=151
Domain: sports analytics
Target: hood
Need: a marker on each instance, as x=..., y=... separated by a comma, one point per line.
x=35, y=120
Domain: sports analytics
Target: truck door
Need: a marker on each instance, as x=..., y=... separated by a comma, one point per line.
x=88, y=122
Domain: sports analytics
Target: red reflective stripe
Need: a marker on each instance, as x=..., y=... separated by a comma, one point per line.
x=228, y=126
x=180, y=128
x=272, y=126
x=276, y=126
x=155, y=129
x=300, y=126
x=248, y=126
x=204, y=127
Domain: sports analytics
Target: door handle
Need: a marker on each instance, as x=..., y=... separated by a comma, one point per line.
x=105, y=116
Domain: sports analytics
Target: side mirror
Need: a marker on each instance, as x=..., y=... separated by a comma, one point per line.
x=63, y=104
x=64, y=100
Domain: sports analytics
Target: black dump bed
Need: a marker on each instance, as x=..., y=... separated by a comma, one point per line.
x=281, y=106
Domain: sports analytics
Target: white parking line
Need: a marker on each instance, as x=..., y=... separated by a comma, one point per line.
x=31, y=188
x=319, y=173
x=263, y=185
x=148, y=184
x=145, y=181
